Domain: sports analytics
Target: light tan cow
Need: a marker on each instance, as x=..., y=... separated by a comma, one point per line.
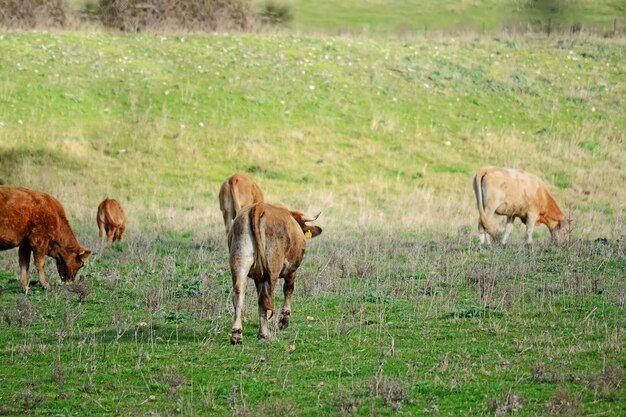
x=266, y=242
x=236, y=192
x=516, y=194
x=111, y=220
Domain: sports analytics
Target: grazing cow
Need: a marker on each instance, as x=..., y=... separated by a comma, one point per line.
x=513, y=193
x=111, y=220
x=236, y=192
x=266, y=242
x=36, y=222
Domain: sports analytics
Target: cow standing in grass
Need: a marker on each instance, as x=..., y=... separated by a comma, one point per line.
x=236, y=192
x=516, y=194
x=36, y=222
x=111, y=220
x=266, y=242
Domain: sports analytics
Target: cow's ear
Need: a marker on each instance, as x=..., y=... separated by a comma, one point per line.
x=84, y=254
x=312, y=231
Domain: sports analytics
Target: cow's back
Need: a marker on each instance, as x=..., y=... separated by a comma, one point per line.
x=519, y=192
x=22, y=210
x=281, y=235
x=112, y=213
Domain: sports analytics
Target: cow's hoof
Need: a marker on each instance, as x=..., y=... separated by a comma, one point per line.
x=236, y=337
x=283, y=323
x=262, y=336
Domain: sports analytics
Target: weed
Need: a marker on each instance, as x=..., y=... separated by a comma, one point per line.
x=25, y=311
x=606, y=384
x=82, y=288
x=512, y=402
x=58, y=372
x=28, y=400
x=564, y=402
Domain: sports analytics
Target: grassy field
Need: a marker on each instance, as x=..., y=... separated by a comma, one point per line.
x=395, y=310
x=405, y=16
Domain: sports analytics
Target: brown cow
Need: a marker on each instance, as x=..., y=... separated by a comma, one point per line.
x=236, y=192
x=266, y=242
x=513, y=193
x=36, y=222
x=111, y=220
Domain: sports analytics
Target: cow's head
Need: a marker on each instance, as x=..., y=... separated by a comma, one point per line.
x=309, y=231
x=561, y=233
x=70, y=261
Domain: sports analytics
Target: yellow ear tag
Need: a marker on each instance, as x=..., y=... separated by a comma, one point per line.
x=308, y=234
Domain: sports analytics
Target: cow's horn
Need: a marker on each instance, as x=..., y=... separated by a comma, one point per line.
x=311, y=219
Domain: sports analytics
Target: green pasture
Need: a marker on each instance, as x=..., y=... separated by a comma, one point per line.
x=396, y=310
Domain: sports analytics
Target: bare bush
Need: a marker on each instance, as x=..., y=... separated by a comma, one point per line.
x=31, y=14
x=276, y=13
x=156, y=15
x=25, y=312
x=82, y=289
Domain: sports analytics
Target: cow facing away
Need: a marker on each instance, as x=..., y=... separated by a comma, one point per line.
x=516, y=194
x=36, y=222
x=266, y=242
x=111, y=220
x=236, y=192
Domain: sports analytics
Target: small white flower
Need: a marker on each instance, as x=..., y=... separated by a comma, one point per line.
x=593, y=109
x=311, y=87
x=1, y=124
x=395, y=100
x=447, y=142
x=167, y=92
x=201, y=124
x=426, y=85
x=182, y=126
x=20, y=122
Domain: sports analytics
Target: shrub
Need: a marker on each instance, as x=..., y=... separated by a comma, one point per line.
x=155, y=15
x=275, y=13
x=33, y=13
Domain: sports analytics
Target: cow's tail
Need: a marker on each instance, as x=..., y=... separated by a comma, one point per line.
x=234, y=195
x=479, y=191
x=113, y=221
x=265, y=293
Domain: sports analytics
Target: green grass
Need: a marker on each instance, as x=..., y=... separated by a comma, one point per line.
x=447, y=327
x=404, y=17
x=382, y=136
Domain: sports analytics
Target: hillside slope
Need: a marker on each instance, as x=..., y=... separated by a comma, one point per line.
x=378, y=134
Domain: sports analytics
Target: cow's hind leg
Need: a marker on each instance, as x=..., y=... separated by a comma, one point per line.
x=24, y=255
x=120, y=233
x=102, y=231
x=265, y=289
x=285, y=314
x=111, y=234
x=483, y=234
x=228, y=220
x=240, y=277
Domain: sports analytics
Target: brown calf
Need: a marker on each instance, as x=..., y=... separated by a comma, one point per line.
x=266, y=242
x=111, y=220
x=36, y=222
x=236, y=192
